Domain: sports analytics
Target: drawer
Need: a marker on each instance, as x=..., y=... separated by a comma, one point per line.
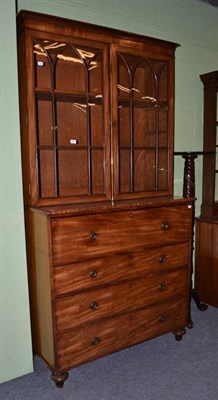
x=80, y=237
x=94, y=305
x=88, y=343
x=88, y=274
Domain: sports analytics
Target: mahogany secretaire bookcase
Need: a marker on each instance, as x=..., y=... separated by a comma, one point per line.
x=108, y=246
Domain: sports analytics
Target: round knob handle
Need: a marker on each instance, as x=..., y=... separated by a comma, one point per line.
x=93, y=235
x=165, y=226
x=162, y=259
x=93, y=274
x=162, y=287
x=95, y=341
x=161, y=318
x=93, y=305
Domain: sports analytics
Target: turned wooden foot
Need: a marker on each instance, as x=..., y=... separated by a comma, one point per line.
x=59, y=379
x=179, y=333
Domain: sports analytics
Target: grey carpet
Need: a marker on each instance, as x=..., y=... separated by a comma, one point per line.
x=157, y=369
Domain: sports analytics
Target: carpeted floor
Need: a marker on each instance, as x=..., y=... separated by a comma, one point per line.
x=159, y=369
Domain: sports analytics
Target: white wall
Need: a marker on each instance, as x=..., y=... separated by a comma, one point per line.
x=15, y=339
x=191, y=23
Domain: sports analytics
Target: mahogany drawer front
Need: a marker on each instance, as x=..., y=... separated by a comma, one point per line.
x=94, y=305
x=80, y=237
x=96, y=340
x=88, y=274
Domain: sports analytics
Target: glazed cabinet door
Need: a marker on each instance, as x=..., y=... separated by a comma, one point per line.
x=143, y=121
x=68, y=131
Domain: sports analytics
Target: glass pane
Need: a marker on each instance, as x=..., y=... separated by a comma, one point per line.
x=95, y=75
x=163, y=127
x=46, y=173
x=71, y=123
x=144, y=127
x=162, y=76
x=45, y=126
x=97, y=172
x=144, y=170
x=70, y=71
x=42, y=67
x=73, y=172
x=162, y=175
x=124, y=84
x=97, y=128
x=216, y=187
x=124, y=171
x=144, y=86
x=124, y=125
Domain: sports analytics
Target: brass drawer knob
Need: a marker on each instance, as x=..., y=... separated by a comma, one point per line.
x=162, y=259
x=93, y=274
x=161, y=318
x=93, y=305
x=162, y=287
x=165, y=226
x=93, y=235
x=95, y=341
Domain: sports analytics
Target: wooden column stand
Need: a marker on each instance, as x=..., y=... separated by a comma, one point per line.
x=189, y=191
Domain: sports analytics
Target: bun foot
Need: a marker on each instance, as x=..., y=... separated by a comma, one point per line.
x=179, y=334
x=59, y=379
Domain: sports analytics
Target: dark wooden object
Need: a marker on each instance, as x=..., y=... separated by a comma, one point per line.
x=108, y=246
x=206, y=260
x=189, y=191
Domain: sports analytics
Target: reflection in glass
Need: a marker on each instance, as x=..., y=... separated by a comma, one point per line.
x=70, y=71
x=42, y=67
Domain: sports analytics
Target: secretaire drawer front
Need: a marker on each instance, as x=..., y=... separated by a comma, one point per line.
x=82, y=237
x=88, y=343
x=100, y=271
x=72, y=311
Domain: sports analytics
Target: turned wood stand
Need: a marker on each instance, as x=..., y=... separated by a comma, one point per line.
x=189, y=191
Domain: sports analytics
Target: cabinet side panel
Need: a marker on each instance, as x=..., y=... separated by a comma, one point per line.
x=23, y=115
x=204, y=260
x=39, y=283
